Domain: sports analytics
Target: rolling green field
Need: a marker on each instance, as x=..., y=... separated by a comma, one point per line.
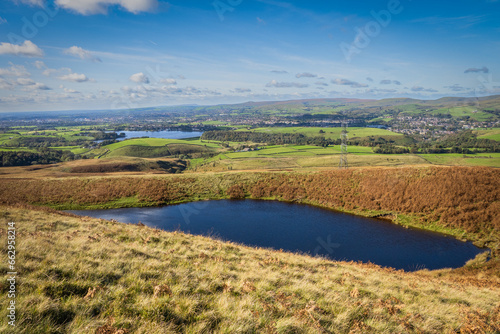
x=330, y=133
x=463, y=111
x=271, y=156
x=493, y=134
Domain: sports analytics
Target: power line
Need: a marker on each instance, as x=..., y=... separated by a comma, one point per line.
x=343, y=147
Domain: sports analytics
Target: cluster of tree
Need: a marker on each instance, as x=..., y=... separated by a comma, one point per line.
x=390, y=149
x=269, y=138
x=468, y=139
x=102, y=135
x=41, y=141
x=373, y=141
x=44, y=156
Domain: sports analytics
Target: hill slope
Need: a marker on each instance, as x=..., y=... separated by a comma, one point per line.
x=82, y=275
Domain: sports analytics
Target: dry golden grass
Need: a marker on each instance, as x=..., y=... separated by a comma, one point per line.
x=83, y=275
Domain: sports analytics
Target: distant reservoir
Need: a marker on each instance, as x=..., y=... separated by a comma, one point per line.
x=306, y=229
x=165, y=134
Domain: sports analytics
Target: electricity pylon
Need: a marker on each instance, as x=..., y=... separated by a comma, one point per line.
x=343, y=147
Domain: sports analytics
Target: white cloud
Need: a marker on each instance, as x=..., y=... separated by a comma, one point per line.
x=29, y=84
x=346, y=82
x=48, y=72
x=38, y=3
x=40, y=86
x=25, y=81
x=2, y=20
x=39, y=64
x=242, y=90
x=27, y=49
x=82, y=53
x=274, y=83
x=14, y=71
x=166, y=81
x=4, y=84
x=88, y=7
x=139, y=78
x=71, y=91
x=305, y=75
x=477, y=70
x=388, y=82
x=422, y=89
x=456, y=88
x=76, y=77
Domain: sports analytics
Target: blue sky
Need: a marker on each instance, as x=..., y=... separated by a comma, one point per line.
x=109, y=54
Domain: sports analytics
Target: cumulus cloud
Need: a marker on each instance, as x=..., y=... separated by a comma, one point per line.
x=139, y=78
x=25, y=81
x=70, y=91
x=346, y=82
x=4, y=84
x=14, y=71
x=40, y=86
x=29, y=84
x=422, y=89
x=40, y=64
x=81, y=53
x=321, y=83
x=279, y=72
x=242, y=90
x=477, y=70
x=143, y=92
x=38, y=3
x=274, y=83
x=369, y=79
x=305, y=75
x=88, y=7
x=380, y=90
x=388, y=82
x=27, y=49
x=167, y=81
x=456, y=88
x=75, y=77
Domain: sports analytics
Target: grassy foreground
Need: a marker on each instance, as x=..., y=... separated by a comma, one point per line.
x=83, y=275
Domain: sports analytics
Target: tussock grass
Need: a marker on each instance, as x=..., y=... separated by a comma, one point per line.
x=83, y=275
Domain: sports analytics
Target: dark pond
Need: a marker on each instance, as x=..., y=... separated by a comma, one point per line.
x=306, y=229
x=166, y=134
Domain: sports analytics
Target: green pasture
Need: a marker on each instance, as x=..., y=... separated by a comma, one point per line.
x=493, y=133
x=463, y=111
x=330, y=133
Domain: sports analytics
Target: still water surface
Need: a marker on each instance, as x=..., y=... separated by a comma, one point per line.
x=166, y=134
x=304, y=228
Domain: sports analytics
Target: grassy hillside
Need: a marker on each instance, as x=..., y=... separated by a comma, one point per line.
x=82, y=275
x=493, y=134
x=330, y=133
x=153, y=148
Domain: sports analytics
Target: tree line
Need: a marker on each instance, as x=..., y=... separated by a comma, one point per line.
x=269, y=138
x=44, y=156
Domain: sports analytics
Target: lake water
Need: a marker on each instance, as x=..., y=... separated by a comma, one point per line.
x=304, y=228
x=166, y=134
